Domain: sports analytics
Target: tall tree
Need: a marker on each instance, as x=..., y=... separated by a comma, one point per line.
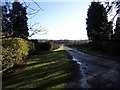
x=14, y=20
x=19, y=20
x=6, y=23
x=117, y=30
x=97, y=22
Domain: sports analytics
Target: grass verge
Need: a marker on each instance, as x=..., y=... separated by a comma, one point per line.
x=96, y=53
x=60, y=48
x=45, y=71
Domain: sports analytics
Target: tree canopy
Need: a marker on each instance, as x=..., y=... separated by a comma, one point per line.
x=97, y=23
x=14, y=20
x=117, y=30
x=19, y=20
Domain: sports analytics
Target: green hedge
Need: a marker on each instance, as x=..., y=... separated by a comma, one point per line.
x=35, y=46
x=31, y=47
x=45, y=46
x=7, y=58
x=14, y=51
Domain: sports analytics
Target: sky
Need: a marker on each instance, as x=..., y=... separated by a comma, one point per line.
x=64, y=19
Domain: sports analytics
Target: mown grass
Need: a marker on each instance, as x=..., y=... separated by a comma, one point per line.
x=59, y=49
x=45, y=71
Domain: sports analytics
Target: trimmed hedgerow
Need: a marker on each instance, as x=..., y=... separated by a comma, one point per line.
x=31, y=47
x=14, y=51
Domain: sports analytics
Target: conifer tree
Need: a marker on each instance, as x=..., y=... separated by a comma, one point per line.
x=97, y=22
x=117, y=30
x=19, y=20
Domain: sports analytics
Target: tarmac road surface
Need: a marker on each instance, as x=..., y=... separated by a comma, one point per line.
x=95, y=72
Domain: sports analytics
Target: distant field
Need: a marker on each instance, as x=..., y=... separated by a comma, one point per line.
x=46, y=70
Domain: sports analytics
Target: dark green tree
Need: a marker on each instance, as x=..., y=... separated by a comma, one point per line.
x=97, y=23
x=6, y=23
x=117, y=30
x=109, y=29
x=19, y=20
x=15, y=20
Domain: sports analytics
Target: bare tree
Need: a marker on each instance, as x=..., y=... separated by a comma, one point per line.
x=114, y=5
x=39, y=31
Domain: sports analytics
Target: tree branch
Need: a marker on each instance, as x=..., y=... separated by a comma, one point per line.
x=37, y=31
x=38, y=5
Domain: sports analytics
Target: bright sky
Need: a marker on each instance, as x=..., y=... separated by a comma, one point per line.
x=63, y=20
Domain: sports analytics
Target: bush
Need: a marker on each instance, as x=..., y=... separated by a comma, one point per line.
x=108, y=47
x=14, y=51
x=45, y=46
x=31, y=47
x=34, y=46
x=7, y=58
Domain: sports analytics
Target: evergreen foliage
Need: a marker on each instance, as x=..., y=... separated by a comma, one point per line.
x=117, y=30
x=14, y=22
x=6, y=23
x=19, y=20
x=97, y=23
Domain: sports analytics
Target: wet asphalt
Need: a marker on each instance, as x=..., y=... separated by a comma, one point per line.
x=94, y=71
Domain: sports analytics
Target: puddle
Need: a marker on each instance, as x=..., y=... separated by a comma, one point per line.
x=83, y=80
